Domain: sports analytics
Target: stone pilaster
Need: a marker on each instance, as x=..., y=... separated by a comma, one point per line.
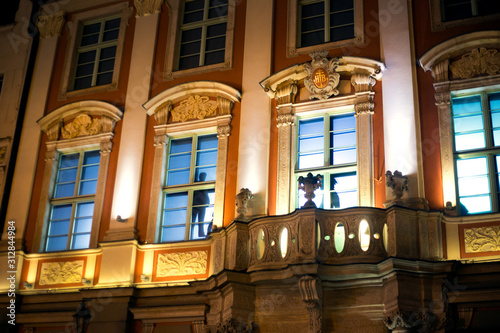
x=364, y=107
x=312, y=296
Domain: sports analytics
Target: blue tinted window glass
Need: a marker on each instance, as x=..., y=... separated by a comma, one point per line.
x=67, y=175
x=178, y=177
x=57, y=243
x=471, y=123
x=174, y=217
x=311, y=160
x=466, y=105
x=81, y=241
x=179, y=161
x=90, y=172
x=85, y=209
x=88, y=187
x=57, y=228
x=494, y=101
x=83, y=225
x=69, y=160
x=207, y=157
x=343, y=156
x=200, y=230
x=180, y=145
x=173, y=234
x=311, y=143
x=176, y=200
x=311, y=126
x=343, y=139
x=207, y=142
x=61, y=212
x=338, y=123
x=469, y=141
x=205, y=174
x=92, y=157
x=65, y=190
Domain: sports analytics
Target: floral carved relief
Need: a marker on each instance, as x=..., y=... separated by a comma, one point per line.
x=80, y=126
x=195, y=107
x=182, y=263
x=477, y=62
x=484, y=239
x=62, y=272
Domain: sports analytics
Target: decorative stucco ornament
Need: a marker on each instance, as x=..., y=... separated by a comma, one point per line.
x=80, y=126
x=398, y=183
x=477, y=62
x=194, y=107
x=484, y=239
x=321, y=80
x=181, y=263
x=242, y=200
x=309, y=184
x=62, y=272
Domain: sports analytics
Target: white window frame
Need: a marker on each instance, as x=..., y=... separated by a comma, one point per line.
x=173, y=43
x=326, y=168
x=107, y=115
x=189, y=187
x=74, y=28
x=438, y=24
x=293, y=44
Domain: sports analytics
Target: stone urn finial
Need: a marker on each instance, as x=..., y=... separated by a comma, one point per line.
x=398, y=183
x=242, y=199
x=309, y=184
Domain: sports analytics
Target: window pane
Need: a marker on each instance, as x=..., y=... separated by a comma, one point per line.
x=203, y=202
x=65, y=190
x=494, y=101
x=83, y=225
x=106, y=65
x=91, y=157
x=86, y=57
x=311, y=160
x=61, y=212
x=85, y=209
x=103, y=79
x=190, y=48
x=214, y=57
x=200, y=230
x=311, y=143
x=91, y=28
x=108, y=52
x=81, y=241
x=173, y=234
x=471, y=123
x=178, y=177
x=189, y=62
x=176, y=200
x=110, y=35
x=191, y=35
x=174, y=217
x=343, y=139
x=83, y=83
x=207, y=142
x=210, y=173
x=469, y=141
x=216, y=43
x=338, y=123
x=57, y=243
x=206, y=157
x=112, y=24
x=88, y=187
x=338, y=5
x=312, y=38
x=67, y=175
x=343, y=156
x=343, y=190
x=466, y=105
x=180, y=146
x=90, y=172
x=89, y=40
x=472, y=167
x=473, y=186
x=479, y=204
x=455, y=10
x=216, y=30
x=57, y=228
x=69, y=160
x=342, y=18
x=179, y=161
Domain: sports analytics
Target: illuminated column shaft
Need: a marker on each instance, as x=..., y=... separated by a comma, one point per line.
x=253, y=158
x=401, y=115
x=129, y=169
x=22, y=184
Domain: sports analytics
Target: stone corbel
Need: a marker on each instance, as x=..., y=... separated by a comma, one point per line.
x=285, y=93
x=53, y=131
x=199, y=326
x=224, y=106
x=363, y=87
x=440, y=71
x=107, y=124
x=148, y=327
x=161, y=113
x=51, y=25
x=312, y=296
x=147, y=7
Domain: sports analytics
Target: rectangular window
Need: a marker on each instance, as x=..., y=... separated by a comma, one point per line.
x=476, y=125
x=202, y=37
x=327, y=146
x=189, y=192
x=323, y=21
x=96, y=53
x=72, y=204
x=452, y=10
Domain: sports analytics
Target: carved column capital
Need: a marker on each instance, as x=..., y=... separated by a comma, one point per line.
x=442, y=99
x=160, y=140
x=223, y=130
x=224, y=105
x=147, y=7
x=50, y=25
x=284, y=120
x=161, y=113
x=362, y=82
x=199, y=326
x=312, y=296
x=50, y=154
x=147, y=327
x=286, y=93
x=106, y=147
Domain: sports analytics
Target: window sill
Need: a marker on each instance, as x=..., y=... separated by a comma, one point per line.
x=224, y=66
x=356, y=41
x=87, y=91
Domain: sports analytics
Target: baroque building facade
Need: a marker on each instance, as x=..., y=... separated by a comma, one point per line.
x=257, y=166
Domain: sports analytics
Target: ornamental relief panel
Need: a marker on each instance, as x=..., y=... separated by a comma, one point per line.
x=81, y=126
x=194, y=107
x=181, y=263
x=477, y=62
x=62, y=272
x=485, y=239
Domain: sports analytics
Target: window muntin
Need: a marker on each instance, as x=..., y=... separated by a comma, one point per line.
x=336, y=15
x=189, y=194
x=72, y=205
x=96, y=53
x=476, y=125
x=333, y=156
x=202, y=33
x=456, y=10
